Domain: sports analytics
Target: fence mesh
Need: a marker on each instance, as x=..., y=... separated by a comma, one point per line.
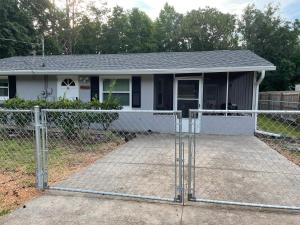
x=137, y=153
x=129, y=152
x=17, y=159
x=239, y=167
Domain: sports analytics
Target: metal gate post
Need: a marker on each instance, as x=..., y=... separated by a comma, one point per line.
x=179, y=159
x=38, y=149
x=190, y=195
x=44, y=148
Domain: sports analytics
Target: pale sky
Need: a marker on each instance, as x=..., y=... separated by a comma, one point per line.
x=290, y=9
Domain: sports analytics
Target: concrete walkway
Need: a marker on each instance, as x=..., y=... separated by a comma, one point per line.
x=66, y=209
x=227, y=168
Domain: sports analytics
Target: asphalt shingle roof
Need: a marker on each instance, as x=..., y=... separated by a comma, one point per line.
x=206, y=61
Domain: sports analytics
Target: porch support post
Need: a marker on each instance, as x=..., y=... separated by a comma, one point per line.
x=227, y=90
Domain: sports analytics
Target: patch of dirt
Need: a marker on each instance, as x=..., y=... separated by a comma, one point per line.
x=17, y=187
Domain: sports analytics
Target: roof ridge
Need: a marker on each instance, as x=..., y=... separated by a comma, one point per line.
x=131, y=53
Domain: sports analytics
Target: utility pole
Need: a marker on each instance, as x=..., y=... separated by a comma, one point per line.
x=43, y=47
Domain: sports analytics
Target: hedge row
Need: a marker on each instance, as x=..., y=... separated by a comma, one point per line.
x=62, y=103
x=70, y=123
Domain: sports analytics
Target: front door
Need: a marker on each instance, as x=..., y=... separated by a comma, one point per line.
x=68, y=87
x=189, y=96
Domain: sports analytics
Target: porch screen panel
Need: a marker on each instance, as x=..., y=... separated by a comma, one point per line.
x=163, y=91
x=240, y=90
x=214, y=90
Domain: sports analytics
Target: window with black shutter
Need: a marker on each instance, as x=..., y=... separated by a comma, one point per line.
x=94, y=87
x=136, y=92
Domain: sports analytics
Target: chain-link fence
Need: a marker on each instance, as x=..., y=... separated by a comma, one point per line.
x=17, y=158
x=248, y=158
x=122, y=153
x=259, y=170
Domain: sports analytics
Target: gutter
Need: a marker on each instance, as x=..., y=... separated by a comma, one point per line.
x=261, y=78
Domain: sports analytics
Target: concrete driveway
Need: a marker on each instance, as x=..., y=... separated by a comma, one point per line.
x=245, y=169
x=143, y=166
x=235, y=168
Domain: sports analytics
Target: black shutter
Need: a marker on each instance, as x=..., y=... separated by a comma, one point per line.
x=136, y=92
x=12, y=86
x=94, y=87
x=168, y=94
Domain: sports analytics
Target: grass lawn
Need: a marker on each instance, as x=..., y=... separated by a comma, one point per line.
x=269, y=124
x=17, y=167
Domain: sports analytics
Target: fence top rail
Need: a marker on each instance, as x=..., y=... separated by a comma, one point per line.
x=15, y=110
x=245, y=111
x=113, y=111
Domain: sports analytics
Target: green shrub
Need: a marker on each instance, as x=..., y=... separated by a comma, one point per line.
x=69, y=122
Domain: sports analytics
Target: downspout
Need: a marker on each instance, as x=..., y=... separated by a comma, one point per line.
x=261, y=78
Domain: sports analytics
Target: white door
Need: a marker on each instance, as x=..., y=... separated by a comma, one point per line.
x=68, y=87
x=188, y=96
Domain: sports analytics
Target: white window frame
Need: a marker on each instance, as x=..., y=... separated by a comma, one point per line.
x=3, y=98
x=111, y=77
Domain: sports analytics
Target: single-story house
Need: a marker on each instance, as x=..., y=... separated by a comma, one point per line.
x=223, y=79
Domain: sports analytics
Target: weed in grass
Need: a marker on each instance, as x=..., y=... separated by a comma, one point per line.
x=4, y=212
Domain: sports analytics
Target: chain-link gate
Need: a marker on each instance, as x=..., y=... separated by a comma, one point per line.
x=231, y=166
x=140, y=154
x=135, y=154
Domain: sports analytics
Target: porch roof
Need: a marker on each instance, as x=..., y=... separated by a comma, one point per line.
x=136, y=63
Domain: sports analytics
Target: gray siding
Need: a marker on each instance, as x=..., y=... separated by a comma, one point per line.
x=145, y=122
x=216, y=125
x=31, y=87
x=52, y=86
x=230, y=125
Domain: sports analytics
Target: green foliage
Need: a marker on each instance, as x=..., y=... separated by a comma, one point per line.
x=88, y=29
x=15, y=24
x=209, y=29
x=69, y=122
x=4, y=212
x=167, y=28
x=275, y=39
x=140, y=32
x=114, y=39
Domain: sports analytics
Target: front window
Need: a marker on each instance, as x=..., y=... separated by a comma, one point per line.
x=120, y=89
x=4, y=93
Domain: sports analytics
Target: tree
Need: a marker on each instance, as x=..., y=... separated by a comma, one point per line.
x=87, y=42
x=114, y=33
x=17, y=30
x=140, y=32
x=268, y=35
x=167, y=29
x=209, y=29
